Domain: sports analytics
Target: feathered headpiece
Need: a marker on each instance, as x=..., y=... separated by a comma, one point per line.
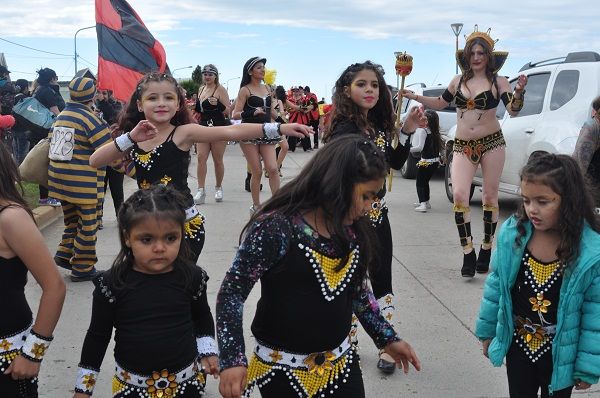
x=270, y=75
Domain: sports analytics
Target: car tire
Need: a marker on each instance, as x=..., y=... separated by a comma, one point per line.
x=448, y=178
x=409, y=168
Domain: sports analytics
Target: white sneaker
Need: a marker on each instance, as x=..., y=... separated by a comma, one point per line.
x=218, y=194
x=200, y=196
x=253, y=209
x=417, y=204
x=422, y=208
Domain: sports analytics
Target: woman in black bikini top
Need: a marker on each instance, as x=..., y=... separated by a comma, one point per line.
x=479, y=139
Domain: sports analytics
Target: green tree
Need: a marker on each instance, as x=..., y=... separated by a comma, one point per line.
x=190, y=86
x=197, y=75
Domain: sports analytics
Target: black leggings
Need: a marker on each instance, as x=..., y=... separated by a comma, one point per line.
x=526, y=378
x=424, y=174
x=279, y=385
x=381, y=275
x=114, y=180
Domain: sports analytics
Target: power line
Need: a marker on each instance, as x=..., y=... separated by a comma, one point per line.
x=34, y=49
x=35, y=57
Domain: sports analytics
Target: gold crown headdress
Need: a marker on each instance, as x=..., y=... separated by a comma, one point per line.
x=498, y=56
x=482, y=35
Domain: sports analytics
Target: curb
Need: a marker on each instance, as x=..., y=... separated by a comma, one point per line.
x=46, y=215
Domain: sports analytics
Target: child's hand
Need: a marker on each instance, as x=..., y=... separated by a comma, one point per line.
x=486, y=345
x=233, y=382
x=403, y=353
x=23, y=368
x=210, y=365
x=581, y=385
x=414, y=120
x=295, y=130
x=143, y=131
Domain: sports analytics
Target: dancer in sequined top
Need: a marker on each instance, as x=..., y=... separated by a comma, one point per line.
x=158, y=133
x=311, y=255
x=541, y=303
x=363, y=107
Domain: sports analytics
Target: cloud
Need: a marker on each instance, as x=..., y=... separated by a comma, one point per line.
x=552, y=28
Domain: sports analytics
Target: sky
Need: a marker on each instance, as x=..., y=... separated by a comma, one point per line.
x=306, y=42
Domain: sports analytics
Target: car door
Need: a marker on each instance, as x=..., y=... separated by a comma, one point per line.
x=520, y=130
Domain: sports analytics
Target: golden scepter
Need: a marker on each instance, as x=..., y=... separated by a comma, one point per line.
x=404, y=65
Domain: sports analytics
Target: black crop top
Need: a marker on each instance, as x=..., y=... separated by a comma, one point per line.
x=252, y=103
x=210, y=114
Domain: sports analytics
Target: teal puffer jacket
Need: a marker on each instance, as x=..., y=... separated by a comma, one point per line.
x=576, y=347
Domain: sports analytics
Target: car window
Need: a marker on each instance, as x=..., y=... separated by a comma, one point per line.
x=536, y=92
x=564, y=89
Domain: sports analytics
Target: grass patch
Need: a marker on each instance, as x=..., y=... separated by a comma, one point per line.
x=31, y=194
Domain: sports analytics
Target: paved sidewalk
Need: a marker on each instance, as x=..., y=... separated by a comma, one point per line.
x=436, y=307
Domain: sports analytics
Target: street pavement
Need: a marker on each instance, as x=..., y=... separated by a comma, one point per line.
x=436, y=307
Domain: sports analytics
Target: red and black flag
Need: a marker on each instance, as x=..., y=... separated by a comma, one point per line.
x=126, y=49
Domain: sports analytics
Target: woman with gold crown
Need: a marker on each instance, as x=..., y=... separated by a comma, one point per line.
x=479, y=140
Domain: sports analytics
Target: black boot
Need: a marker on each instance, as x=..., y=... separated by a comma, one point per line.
x=247, y=182
x=483, y=261
x=469, y=264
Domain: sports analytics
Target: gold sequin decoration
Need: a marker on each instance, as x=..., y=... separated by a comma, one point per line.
x=193, y=226
x=5, y=345
x=332, y=282
x=144, y=158
x=542, y=272
x=165, y=180
x=376, y=213
x=309, y=383
x=144, y=184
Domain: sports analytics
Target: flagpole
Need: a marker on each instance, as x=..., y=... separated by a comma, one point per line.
x=75, y=40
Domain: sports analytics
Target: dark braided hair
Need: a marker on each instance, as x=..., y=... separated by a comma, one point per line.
x=562, y=174
x=380, y=117
x=161, y=202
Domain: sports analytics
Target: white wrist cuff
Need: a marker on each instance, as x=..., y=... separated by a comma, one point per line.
x=86, y=380
x=272, y=131
x=124, y=142
x=207, y=346
x=35, y=346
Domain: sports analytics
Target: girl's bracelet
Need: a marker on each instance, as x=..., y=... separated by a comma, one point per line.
x=124, y=142
x=271, y=131
x=35, y=346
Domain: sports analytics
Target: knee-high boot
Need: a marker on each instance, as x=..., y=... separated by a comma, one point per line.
x=489, y=229
x=466, y=241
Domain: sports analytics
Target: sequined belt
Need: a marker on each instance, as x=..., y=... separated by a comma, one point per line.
x=14, y=342
x=310, y=375
x=293, y=360
x=475, y=149
x=427, y=162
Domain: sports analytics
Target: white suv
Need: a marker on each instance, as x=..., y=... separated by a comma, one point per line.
x=447, y=118
x=557, y=103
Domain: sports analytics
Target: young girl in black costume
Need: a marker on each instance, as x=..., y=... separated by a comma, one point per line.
x=23, y=340
x=155, y=298
x=427, y=142
x=363, y=106
x=310, y=246
x=157, y=115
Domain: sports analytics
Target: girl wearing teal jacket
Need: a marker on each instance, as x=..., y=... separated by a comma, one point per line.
x=541, y=303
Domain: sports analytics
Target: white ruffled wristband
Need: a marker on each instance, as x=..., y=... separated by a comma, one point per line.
x=124, y=142
x=35, y=346
x=86, y=380
x=207, y=346
x=271, y=131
